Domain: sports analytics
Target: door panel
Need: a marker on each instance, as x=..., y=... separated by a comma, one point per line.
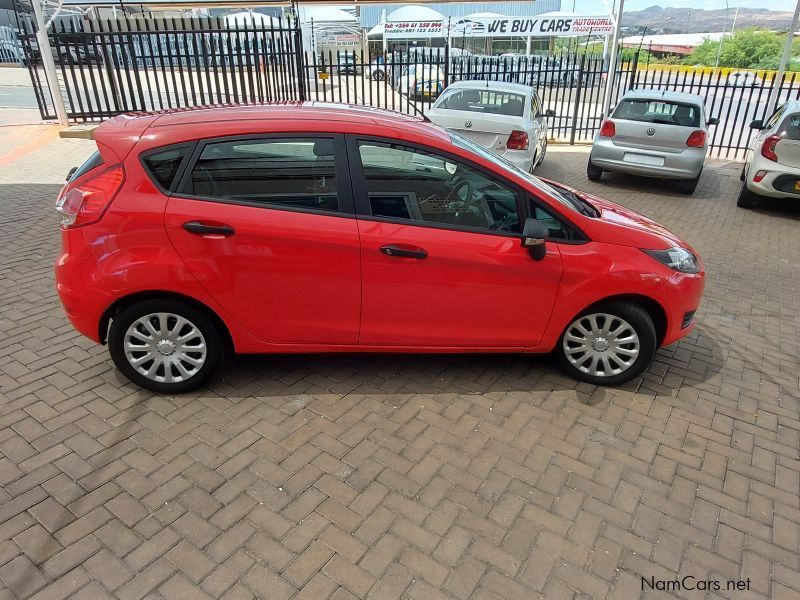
x=462, y=278
x=472, y=289
x=268, y=242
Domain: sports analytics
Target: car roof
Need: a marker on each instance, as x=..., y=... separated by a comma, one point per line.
x=496, y=86
x=664, y=95
x=151, y=130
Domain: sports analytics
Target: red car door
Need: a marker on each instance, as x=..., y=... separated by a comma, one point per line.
x=266, y=225
x=442, y=264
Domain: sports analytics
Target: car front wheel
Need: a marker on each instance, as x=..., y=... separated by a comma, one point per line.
x=166, y=346
x=609, y=344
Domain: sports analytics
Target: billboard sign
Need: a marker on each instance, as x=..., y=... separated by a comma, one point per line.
x=541, y=26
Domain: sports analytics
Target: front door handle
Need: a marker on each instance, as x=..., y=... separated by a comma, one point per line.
x=404, y=252
x=209, y=230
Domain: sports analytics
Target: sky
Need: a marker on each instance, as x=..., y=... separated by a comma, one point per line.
x=597, y=6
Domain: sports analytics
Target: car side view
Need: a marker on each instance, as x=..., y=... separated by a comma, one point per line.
x=297, y=228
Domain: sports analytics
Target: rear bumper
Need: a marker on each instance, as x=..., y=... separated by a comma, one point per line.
x=676, y=165
x=519, y=158
x=774, y=184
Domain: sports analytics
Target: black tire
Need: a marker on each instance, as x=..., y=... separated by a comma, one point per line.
x=542, y=154
x=636, y=318
x=746, y=199
x=213, y=337
x=743, y=174
x=593, y=172
x=688, y=186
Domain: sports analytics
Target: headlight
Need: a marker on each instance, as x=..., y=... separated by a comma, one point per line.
x=676, y=258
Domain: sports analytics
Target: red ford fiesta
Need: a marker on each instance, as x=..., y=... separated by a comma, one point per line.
x=318, y=228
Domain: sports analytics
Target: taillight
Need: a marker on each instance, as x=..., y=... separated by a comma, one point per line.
x=768, y=148
x=608, y=129
x=518, y=140
x=697, y=139
x=86, y=202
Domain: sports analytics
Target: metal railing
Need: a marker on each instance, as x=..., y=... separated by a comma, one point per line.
x=107, y=67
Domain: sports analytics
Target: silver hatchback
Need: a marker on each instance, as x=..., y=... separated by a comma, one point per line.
x=654, y=134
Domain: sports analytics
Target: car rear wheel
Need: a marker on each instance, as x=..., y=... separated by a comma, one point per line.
x=609, y=344
x=688, y=186
x=593, y=172
x=166, y=346
x=746, y=198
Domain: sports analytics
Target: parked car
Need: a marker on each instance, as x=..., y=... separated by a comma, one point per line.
x=347, y=64
x=772, y=162
x=654, y=133
x=376, y=70
x=505, y=118
x=421, y=81
x=315, y=228
x=744, y=79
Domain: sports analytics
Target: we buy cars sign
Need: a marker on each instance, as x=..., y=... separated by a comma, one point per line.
x=556, y=26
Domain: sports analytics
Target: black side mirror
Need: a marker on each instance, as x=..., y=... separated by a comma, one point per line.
x=550, y=113
x=534, y=234
x=757, y=124
x=713, y=121
x=71, y=173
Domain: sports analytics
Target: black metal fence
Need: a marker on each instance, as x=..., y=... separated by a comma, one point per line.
x=107, y=67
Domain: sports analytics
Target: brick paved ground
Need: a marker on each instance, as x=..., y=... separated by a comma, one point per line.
x=417, y=477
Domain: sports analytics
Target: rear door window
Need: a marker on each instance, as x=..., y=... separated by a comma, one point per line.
x=658, y=111
x=297, y=173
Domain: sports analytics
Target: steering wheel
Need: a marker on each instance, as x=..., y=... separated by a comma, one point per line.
x=453, y=196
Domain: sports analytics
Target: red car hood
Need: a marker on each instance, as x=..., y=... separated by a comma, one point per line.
x=625, y=227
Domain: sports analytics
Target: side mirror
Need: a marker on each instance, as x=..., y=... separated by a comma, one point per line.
x=713, y=121
x=757, y=124
x=549, y=113
x=534, y=234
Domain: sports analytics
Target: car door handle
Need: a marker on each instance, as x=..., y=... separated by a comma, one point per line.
x=210, y=230
x=404, y=252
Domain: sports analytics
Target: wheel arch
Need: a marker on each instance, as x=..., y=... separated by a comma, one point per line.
x=130, y=299
x=653, y=308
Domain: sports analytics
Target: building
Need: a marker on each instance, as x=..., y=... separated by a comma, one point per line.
x=671, y=43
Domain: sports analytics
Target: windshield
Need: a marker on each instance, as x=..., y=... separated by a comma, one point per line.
x=564, y=196
x=483, y=101
x=658, y=111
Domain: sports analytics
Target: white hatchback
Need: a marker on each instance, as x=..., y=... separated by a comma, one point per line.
x=505, y=118
x=772, y=163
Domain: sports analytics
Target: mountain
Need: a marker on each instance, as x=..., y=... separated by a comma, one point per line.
x=658, y=19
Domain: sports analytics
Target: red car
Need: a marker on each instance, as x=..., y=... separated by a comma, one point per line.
x=197, y=233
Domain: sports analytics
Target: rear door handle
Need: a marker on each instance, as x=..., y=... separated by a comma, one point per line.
x=401, y=252
x=210, y=230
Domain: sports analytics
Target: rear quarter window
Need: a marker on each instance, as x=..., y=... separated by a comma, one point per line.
x=790, y=128
x=163, y=165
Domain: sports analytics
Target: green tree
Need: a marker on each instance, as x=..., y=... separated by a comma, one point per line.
x=750, y=48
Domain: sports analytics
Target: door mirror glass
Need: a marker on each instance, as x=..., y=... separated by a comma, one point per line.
x=713, y=121
x=757, y=124
x=534, y=235
x=549, y=113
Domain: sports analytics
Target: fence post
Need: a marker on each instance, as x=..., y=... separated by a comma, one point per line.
x=634, y=71
x=447, y=64
x=577, y=101
x=299, y=57
x=46, y=55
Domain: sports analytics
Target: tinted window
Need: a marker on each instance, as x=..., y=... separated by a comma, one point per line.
x=296, y=173
x=658, y=111
x=484, y=101
x=406, y=183
x=92, y=162
x=164, y=165
x=558, y=230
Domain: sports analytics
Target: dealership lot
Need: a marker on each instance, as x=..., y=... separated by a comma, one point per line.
x=407, y=476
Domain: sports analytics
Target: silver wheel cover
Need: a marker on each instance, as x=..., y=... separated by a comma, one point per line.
x=165, y=347
x=601, y=345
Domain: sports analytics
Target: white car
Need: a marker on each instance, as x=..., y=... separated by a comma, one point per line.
x=772, y=163
x=505, y=118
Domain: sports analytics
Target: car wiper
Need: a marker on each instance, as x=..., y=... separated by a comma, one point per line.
x=581, y=205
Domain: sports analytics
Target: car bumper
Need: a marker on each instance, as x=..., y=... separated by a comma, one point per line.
x=519, y=158
x=682, y=295
x=676, y=165
x=777, y=183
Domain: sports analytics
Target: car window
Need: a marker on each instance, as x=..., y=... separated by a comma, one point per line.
x=293, y=173
x=658, y=111
x=483, y=101
x=557, y=229
x=163, y=166
x=407, y=183
x=790, y=128
x=776, y=116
